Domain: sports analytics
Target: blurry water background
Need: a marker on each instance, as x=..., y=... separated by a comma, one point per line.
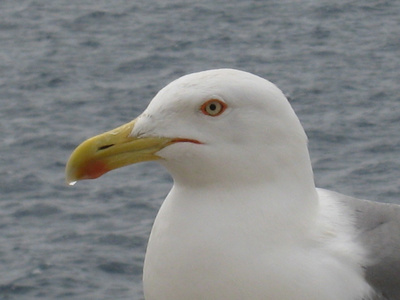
x=73, y=69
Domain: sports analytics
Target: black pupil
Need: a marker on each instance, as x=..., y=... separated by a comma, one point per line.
x=213, y=106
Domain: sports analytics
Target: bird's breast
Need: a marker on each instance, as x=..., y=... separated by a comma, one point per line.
x=199, y=250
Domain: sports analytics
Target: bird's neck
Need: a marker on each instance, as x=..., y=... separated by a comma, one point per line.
x=271, y=191
x=267, y=207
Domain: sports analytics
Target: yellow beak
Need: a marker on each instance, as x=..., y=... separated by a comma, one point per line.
x=110, y=150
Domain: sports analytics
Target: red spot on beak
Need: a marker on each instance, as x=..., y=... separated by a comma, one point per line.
x=94, y=169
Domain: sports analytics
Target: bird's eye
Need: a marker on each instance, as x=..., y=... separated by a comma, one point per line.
x=213, y=107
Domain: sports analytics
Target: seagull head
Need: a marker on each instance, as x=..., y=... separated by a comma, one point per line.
x=204, y=128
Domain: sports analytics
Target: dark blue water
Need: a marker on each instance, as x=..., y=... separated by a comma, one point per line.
x=72, y=69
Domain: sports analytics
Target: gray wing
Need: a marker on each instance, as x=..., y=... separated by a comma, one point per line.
x=378, y=226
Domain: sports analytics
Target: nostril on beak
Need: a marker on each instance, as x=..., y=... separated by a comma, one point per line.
x=105, y=147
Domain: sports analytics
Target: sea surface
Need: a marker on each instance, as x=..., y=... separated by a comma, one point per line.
x=73, y=69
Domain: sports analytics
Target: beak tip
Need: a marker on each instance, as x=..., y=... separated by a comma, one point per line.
x=89, y=170
x=70, y=178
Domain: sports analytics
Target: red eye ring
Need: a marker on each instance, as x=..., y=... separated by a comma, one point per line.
x=213, y=107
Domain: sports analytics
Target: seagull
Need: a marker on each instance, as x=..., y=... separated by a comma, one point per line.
x=244, y=219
